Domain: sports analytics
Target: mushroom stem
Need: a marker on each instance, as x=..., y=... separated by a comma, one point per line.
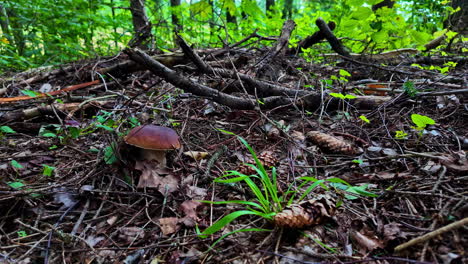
x=157, y=155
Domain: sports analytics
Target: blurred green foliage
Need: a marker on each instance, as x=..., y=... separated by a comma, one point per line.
x=44, y=32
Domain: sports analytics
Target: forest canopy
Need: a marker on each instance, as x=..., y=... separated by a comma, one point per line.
x=43, y=32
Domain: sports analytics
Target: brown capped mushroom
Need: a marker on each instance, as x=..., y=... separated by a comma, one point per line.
x=153, y=141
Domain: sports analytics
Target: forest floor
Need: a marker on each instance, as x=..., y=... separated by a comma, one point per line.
x=68, y=189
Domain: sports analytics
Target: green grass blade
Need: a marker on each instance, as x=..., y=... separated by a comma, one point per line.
x=231, y=180
x=218, y=225
x=256, y=205
x=258, y=193
x=338, y=180
x=311, y=188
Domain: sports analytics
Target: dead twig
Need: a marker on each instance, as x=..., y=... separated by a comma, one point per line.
x=432, y=234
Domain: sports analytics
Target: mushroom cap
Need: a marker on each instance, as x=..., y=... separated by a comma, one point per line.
x=153, y=137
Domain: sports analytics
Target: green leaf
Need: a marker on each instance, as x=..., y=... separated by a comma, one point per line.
x=400, y=134
x=349, y=96
x=16, y=164
x=218, y=225
x=49, y=134
x=380, y=36
x=30, y=93
x=74, y=132
x=22, y=233
x=364, y=118
x=362, y=13
x=422, y=121
x=355, y=2
x=134, y=122
x=48, y=170
x=16, y=185
x=420, y=37
x=109, y=154
x=338, y=95
x=344, y=73
x=6, y=129
x=104, y=127
x=409, y=88
x=235, y=202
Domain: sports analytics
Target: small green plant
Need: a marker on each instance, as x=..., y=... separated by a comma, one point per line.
x=6, y=130
x=15, y=164
x=30, y=93
x=400, y=134
x=343, y=98
x=47, y=170
x=450, y=65
x=421, y=121
x=22, y=233
x=110, y=154
x=342, y=79
x=17, y=185
x=409, y=88
x=267, y=202
x=364, y=118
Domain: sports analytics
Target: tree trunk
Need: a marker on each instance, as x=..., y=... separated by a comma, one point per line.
x=141, y=25
x=458, y=21
x=5, y=24
x=16, y=30
x=287, y=10
x=175, y=19
x=268, y=7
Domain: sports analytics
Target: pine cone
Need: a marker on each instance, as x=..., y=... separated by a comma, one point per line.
x=306, y=213
x=266, y=158
x=331, y=144
x=245, y=169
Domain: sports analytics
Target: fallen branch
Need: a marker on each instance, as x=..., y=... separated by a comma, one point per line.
x=432, y=234
x=68, y=89
x=334, y=42
x=282, y=42
x=310, y=40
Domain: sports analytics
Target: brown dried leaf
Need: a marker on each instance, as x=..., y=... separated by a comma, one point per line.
x=456, y=162
x=392, y=231
x=131, y=234
x=370, y=243
x=189, y=208
x=153, y=176
x=168, y=225
x=196, y=193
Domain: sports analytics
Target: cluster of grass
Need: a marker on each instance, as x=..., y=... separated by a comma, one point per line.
x=268, y=200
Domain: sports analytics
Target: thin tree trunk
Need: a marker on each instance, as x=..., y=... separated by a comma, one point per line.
x=175, y=19
x=268, y=7
x=5, y=24
x=458, y=21
x=16, y=30
x=287, y=10
x=141, y=25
